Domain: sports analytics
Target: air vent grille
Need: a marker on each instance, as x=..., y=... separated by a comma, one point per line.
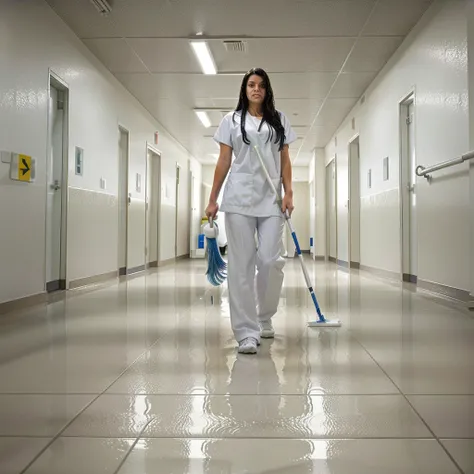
x=235, y=46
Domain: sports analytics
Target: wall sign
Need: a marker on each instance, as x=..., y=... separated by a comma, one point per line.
x=22, y=168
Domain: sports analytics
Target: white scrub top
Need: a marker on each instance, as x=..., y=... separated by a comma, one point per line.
x=247, y=191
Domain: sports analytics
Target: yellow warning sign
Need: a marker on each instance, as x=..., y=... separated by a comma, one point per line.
x=24, y=168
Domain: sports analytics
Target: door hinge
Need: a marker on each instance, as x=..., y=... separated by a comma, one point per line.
x=408, y=120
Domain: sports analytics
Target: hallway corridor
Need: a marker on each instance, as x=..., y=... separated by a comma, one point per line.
x=143, y=376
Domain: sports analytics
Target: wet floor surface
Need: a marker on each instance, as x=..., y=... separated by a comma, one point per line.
x=143, y=376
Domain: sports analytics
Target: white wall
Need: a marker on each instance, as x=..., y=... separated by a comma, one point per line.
x=319, y=231
x=432, y=62
x=32, y=40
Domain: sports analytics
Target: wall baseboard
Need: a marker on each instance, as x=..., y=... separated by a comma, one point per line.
x=332, y=259
x=382, y=273
x=138, y=269
x=355, y=265
x=23, y=303
x=453, y=293
x=320, y=258
x=152, y=264
x=92, y=280
x=170, y=261
x=461, y=296
x=343, y=263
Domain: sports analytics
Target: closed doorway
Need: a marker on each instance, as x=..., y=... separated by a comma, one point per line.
x=56, y=175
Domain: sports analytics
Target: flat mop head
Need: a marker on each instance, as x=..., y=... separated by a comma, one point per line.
x=327, y=323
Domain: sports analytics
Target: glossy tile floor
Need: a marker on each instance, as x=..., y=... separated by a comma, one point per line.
x=143, y=376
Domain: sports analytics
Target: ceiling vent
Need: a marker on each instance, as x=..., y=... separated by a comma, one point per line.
x=235, y=46
x=102, y=6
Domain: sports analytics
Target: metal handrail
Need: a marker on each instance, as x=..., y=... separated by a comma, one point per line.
x=425, y=172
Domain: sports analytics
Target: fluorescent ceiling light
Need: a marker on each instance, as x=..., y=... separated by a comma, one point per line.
x=204, y=118
x=204, y=56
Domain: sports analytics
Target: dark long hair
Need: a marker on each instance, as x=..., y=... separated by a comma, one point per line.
x=270, y=114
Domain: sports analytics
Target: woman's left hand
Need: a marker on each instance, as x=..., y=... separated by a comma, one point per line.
x=287, y=203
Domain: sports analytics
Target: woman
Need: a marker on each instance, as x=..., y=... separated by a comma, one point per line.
x=250, y=206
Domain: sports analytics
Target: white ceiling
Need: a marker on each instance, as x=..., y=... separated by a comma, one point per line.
x=321, y=55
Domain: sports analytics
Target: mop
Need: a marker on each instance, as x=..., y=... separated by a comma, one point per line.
x=321, y=321
x=217, y=267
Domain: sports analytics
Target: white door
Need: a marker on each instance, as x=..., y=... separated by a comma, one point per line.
x=56, y=126
x=331, y=211
x=193, y=215
x=413, y=250
x=354, y=203
x=152, y=208
x=312, y=214
x=178, y=169
x=123, y=201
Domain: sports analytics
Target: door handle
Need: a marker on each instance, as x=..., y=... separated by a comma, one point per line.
x=411, y=188
x=56, y=185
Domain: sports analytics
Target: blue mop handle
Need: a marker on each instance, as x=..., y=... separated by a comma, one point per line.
x=295, y=239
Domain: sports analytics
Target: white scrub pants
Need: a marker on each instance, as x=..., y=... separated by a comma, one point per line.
x=253, y=299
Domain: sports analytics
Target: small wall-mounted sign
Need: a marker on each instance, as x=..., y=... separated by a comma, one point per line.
x=156, y=138
x=385, y=169
x=369, y=179
x=79, y=165
x=22, y=168
x=138, y=185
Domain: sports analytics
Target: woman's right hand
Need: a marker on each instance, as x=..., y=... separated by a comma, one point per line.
x=211, y=210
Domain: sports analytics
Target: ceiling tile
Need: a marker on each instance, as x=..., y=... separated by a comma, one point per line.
x=372, y=53
x=315, y=85
x=116, y=55
x=396, y=17
x=352, y=84
x=166, y=55
x=334, y=112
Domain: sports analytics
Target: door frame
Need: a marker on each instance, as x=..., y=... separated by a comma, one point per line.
x=155, y=151
x=352, y=141
x=124, y=129
x=404, y=102
x=54, y=80
x=328, y=241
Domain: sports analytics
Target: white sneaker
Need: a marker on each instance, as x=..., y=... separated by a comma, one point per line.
x=248, y=346
x=267, y=331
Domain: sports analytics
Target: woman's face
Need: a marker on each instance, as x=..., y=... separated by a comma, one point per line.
x=256, y=89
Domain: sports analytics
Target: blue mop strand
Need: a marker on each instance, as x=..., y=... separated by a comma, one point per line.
x=217, y=267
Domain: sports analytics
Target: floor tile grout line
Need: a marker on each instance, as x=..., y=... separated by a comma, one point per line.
x=74, y=418
x=132, y=447
x=203, y=436
x=427, y=426
x=222, y=394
